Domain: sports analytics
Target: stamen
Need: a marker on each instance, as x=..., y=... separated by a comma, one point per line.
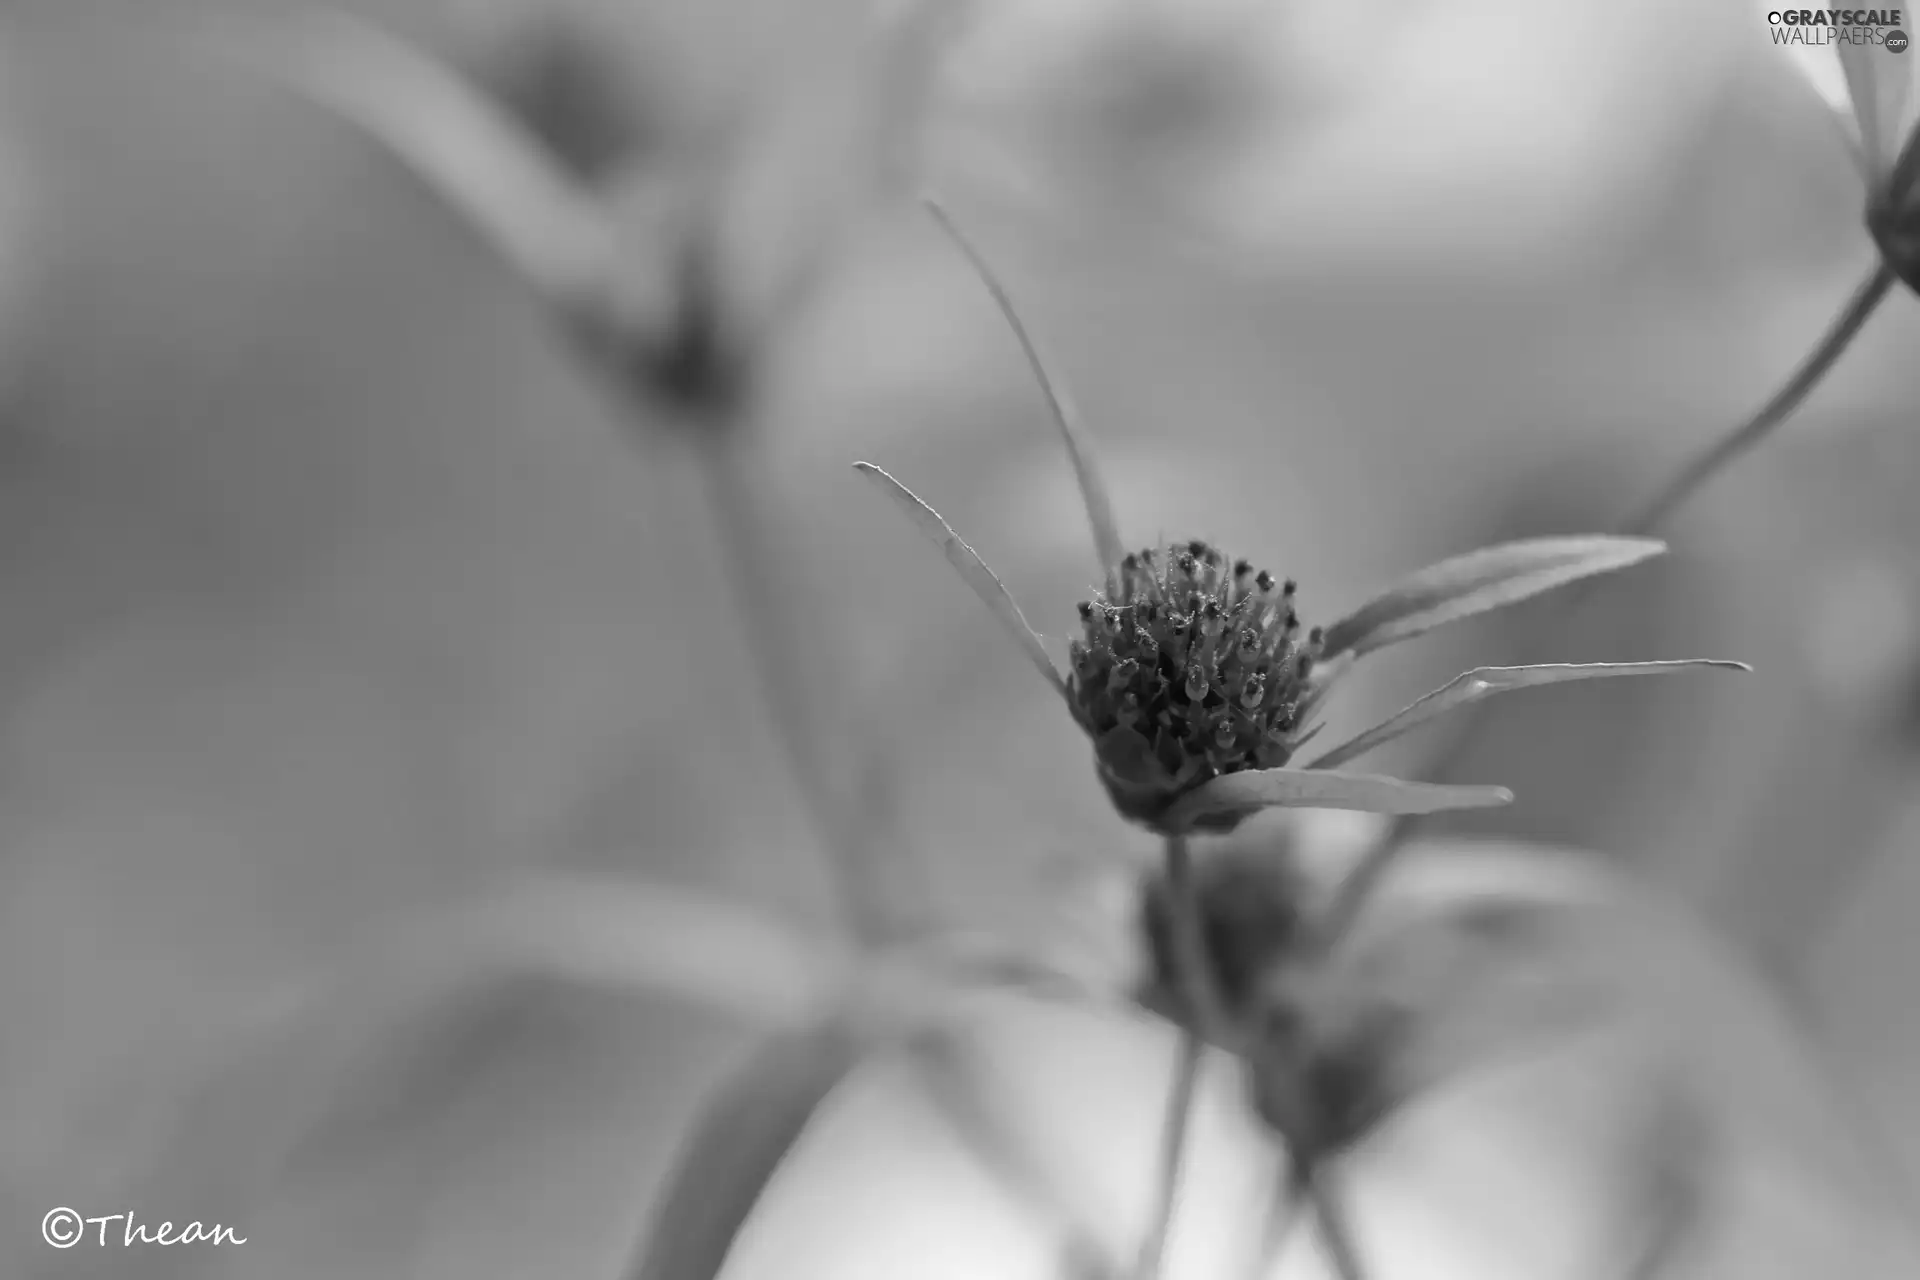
x=1196, y=683
x=1254, y=690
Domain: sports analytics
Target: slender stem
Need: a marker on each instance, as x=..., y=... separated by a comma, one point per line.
x=1283, y=1215
x=1194, y=966
x=776, y=617
x=1173, y=1150
x=1193, y=976
x=1336, y=1229
x=1845, y=327
x=1728, y=449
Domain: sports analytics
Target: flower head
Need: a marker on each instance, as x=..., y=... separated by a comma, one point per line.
x=1196, y=680
x=1190, y=665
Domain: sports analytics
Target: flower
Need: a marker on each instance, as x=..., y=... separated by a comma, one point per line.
x=1195, y=680
x=1867, y=75
x=1189, y=666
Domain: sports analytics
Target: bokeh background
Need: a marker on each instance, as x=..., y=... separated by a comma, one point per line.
x=338, y=597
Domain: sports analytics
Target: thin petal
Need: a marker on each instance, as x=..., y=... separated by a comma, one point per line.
x=470, y=152
x=1484, y=682
x=1093, y=489
x=1870, y=89
x=1823, y=72
x=1244, y=793
x=1881, y=86
x=743, y=1133
x=1478, y=581
x=972, y=569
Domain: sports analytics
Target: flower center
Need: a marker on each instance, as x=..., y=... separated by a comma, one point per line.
x=1190, y=666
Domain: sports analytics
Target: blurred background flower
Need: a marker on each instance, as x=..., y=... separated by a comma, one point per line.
x=335, y=596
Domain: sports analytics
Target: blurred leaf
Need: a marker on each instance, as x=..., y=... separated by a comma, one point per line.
x=971, y=568
x=1490, y=578
x=1255, y=789
x=1470, y=989
x=488, y=168
x=754, y=1119
x=1093, y=489
x=708, y=951
x=1484, y=682
x=744, y=1131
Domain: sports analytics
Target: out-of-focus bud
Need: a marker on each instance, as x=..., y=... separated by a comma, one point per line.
x=566, y=78
x=1866, y=72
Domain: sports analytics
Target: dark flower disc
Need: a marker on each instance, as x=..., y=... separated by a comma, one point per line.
x=1189, y=666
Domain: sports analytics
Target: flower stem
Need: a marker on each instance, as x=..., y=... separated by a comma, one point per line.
x=1283, y=1215
x=1203, y=1021
x=1173, y=1150
x=775, y=613
x=1728, y=449
x=1336, y=1230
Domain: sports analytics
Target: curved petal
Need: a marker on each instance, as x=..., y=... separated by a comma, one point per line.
x=1093, y=489
x=1239, y=794
x=972, y=569
x=1490, y=578
x=1873, y=90
x=1880, y=84
x=1484, y=682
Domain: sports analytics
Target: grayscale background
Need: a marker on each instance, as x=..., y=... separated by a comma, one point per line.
x=334, y=597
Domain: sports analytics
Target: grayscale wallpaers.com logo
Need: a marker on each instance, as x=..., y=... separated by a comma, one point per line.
x=1839, y=26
